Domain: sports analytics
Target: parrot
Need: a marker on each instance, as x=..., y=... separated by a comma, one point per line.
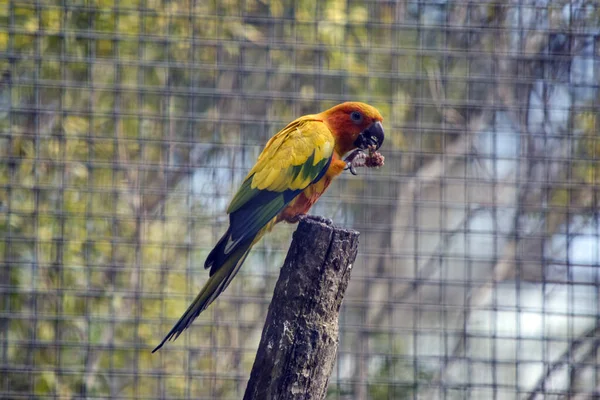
x=294, y=169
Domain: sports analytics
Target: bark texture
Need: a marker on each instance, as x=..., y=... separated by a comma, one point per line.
x=300, y=338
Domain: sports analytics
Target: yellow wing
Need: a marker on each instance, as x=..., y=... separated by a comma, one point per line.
x=290, y=161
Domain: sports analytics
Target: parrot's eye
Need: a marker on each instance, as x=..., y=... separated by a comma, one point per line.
x=356, y=116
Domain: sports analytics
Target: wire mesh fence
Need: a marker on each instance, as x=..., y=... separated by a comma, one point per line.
x=126, y=126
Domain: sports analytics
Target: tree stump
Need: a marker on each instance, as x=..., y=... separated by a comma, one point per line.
x=299, y=342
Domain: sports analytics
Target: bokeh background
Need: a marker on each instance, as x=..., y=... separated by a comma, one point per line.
x=126, y=125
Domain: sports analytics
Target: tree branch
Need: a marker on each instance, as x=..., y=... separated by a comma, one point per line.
x=299, y=342
x=562, y=360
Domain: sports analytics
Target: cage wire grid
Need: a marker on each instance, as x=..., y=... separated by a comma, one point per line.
x=126, y=126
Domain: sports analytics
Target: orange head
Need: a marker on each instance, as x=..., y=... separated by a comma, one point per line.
x=354, y=125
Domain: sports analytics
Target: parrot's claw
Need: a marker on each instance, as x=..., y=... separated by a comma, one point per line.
x=350, y=168
x=355, y=159
x=316, y=218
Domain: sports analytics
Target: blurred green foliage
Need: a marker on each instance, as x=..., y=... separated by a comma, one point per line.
x=100, y=104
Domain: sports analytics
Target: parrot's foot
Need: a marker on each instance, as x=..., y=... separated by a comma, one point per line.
x=317, y=218
x=354, y=160
x=358, y=158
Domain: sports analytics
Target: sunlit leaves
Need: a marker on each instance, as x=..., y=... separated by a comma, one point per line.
x=589, y=147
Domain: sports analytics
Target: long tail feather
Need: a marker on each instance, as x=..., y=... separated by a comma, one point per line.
x=215, y=285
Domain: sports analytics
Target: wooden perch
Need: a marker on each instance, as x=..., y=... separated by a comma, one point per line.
x=299, y=342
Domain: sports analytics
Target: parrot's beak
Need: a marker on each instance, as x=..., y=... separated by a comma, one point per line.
x=372, y=136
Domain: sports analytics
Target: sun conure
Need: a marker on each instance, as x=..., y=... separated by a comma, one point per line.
x=292, y=172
